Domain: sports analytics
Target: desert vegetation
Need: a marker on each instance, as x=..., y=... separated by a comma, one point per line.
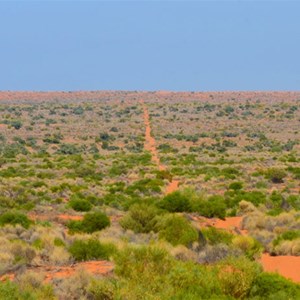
x=128, y=195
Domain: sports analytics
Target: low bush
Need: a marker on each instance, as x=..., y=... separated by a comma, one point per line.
x=251, y=247
x=275, y=175
x=91, y=222
x=103, y=289
x=269, y=286
x=27, y=287
x=216, y=236
x=80, y=205
x=177, y=230
x=254, y=197
x=175, y=202
x=236, y=186
x=287, y=236
x=12, y=217
x=91, y=249
x=141, y=218
x=236, y=276
x=214, y=206
x=140, y=263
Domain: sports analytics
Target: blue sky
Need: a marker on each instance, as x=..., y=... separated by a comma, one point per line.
x=154, y=45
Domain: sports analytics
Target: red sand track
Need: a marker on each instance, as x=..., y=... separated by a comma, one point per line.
x=150, y=146
x=149, y=140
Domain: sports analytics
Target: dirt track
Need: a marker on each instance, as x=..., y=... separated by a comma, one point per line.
x=150, y=145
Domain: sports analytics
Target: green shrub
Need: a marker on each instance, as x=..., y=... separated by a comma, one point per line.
x=103, y=289
x=11, y=217
x=255, y=197
x=91, y=222
x=287, y=236
x=141, y=218
x=149, y=272
x=215, y=236
x=294, y=201
x=68, y=149
x=250, y=246
x=141, y=263
x=80, y=205
x=16, y=124
x=236, y=186
x=236, y=276
x=271, y=286
x=145, y=186
x=90, y=250
x=214, y=206
x=177, y=230
x=27, y=288
x=9, y=291
x=275, y=175
x=175, y=202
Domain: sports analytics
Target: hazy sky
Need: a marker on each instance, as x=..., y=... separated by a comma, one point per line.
x=154, y=45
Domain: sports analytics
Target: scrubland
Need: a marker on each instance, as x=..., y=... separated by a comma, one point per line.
x=118, y=195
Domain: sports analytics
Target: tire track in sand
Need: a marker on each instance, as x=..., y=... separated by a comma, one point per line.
x=150, y=145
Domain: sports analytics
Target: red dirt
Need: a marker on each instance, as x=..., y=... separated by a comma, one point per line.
x=69, y=217
x=230, y=224
x=172, y=186
x=101, y=267
x=287, y=266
